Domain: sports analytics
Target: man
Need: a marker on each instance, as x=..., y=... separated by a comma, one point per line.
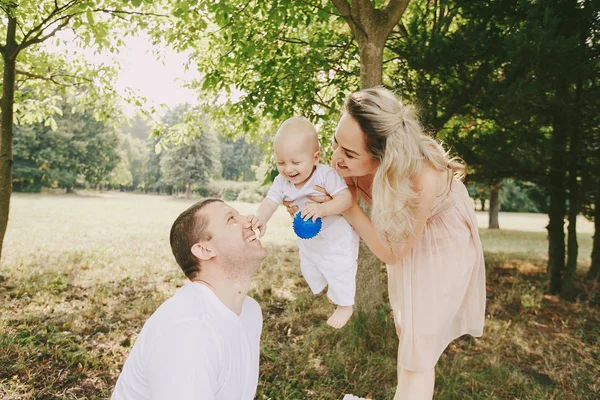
x=203, y=343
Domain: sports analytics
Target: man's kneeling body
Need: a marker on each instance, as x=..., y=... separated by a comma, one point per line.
x=203, y=343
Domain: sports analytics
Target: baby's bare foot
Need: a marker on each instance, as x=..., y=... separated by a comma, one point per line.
x=339, y=318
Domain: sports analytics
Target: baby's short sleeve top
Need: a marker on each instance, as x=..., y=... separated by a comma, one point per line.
x=323, y=176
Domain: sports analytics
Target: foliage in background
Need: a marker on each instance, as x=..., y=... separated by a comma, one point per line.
x=32, y=73
x=503, y=83
x=519, y=196
x=80, y=151
x=196, y=159
x=239, y=160
x=276, y=59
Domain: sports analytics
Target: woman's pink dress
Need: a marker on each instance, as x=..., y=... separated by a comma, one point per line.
x=437, y=292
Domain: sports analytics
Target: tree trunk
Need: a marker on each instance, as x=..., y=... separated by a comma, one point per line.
x=482, y=201
x=556, y=233
x=594, y=272
x=369, y=287
x=9, y=54
x=371, y=64
x=568, y=286
x=371, y=28
x=567, y=290
x=494, y=206
x=188, y=190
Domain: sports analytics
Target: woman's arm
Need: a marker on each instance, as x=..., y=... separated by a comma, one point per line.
x=341, y=202
x=364, y=227
x=427, y=187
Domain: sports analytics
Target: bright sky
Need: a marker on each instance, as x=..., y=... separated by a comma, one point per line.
x=157, y=78
x=159, y=81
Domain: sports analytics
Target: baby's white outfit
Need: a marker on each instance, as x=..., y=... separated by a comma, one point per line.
x=330, y=258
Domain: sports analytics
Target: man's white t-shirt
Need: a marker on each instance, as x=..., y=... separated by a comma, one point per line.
x=194, y=347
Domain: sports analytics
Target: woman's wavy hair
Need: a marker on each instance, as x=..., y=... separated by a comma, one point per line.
x=394, y=137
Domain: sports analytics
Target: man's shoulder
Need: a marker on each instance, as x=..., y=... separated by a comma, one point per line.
x=251, y=316
x=184, y=306
x=181, y=318
x=252, y=305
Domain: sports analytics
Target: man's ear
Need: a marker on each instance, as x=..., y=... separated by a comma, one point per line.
x=203, y=251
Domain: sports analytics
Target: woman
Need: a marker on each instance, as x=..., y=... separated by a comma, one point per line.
x=423, y=227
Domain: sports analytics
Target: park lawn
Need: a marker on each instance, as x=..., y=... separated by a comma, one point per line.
x=81, y=273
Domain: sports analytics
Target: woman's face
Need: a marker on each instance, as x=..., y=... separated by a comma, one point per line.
x=350, y=154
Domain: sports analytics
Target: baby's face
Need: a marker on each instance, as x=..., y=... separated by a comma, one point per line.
x=295, y=158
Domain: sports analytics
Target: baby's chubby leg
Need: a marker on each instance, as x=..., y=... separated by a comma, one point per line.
x=341, y=292
x=338, y=264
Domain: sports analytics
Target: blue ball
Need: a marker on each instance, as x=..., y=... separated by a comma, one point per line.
x=306, y=229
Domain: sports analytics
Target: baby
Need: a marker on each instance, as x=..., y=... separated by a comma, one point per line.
x=328, y=259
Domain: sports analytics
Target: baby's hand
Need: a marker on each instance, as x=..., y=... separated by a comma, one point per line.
x=257, y=223
x=312, y=210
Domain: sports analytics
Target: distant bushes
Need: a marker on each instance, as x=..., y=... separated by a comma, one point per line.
x=249, y=192
x=517, y=196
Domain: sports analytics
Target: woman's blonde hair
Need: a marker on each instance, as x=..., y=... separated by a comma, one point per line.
x=395, y=138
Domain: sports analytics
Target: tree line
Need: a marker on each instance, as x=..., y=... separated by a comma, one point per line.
x=81, y=152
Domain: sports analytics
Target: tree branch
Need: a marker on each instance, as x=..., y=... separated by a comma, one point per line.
x=51, y=78
x=325, y=10
x=392, y=13
x=294, y=41
x=42, y=25
x=392, y=59
x=232, y=17
x=6, y=8
x=109, y=11
x=39, y=38
x=343, y=7
x=321, y=102
x=346, y=11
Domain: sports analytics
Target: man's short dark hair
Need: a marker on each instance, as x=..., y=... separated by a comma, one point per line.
x=187, y=230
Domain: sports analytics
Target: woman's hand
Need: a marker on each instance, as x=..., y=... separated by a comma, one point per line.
x=292, y=210
x=320, y=199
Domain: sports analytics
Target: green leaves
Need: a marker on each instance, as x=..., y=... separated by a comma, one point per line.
x=63, y=148
x=90, y=16
x=51, y=123
x=261, y=61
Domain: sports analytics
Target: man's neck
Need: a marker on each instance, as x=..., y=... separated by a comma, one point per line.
x=232, y=293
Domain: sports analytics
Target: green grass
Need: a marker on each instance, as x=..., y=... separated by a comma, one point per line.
x=81, y=274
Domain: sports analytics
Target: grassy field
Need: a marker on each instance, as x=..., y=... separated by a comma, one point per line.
x=81, y=273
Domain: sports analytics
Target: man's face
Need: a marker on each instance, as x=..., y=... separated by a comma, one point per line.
x=230, y=233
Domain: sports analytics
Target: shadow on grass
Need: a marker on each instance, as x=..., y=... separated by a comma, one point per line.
x=62, y=340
